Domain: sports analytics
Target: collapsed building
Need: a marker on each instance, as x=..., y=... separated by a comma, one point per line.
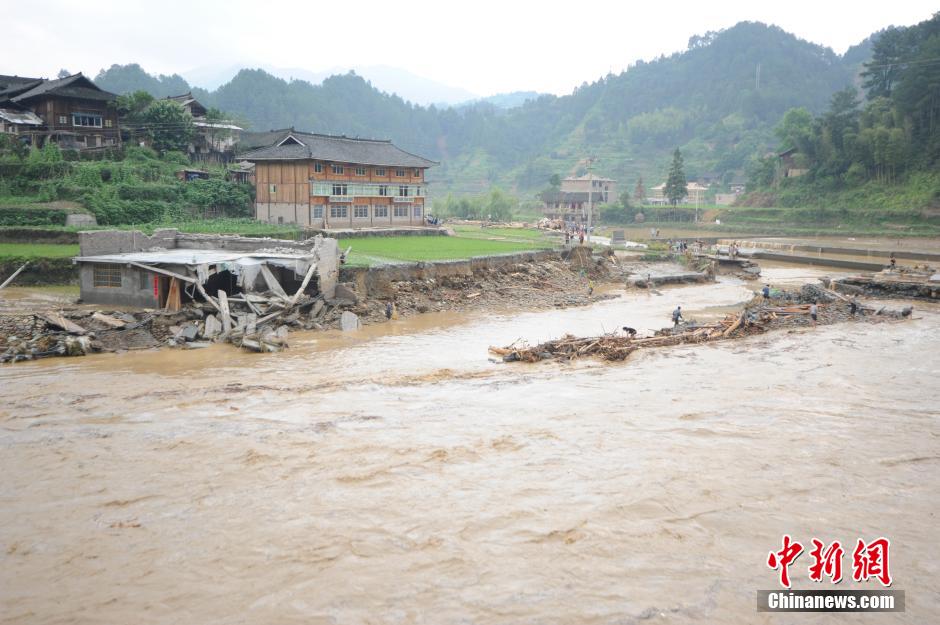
x=171, y=268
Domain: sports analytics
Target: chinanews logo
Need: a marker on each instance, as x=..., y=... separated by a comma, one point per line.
x=870, y=562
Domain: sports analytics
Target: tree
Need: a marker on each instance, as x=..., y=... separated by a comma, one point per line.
x=639, y=192
x=676, y=185
x=63, y=73
x=130, y=106
x=554, y=182
x=795, y=131
x=168, y=124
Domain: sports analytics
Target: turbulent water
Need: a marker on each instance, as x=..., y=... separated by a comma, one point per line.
x=397, y=475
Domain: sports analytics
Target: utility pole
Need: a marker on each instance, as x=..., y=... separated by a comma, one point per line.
x=590, y=162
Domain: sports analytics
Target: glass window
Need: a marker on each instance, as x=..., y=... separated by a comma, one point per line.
x=318, y=168
x=361, y=211
x=360, y=171
x=400, y=173
x=144, y=278
x=380, y=210
x=106, y=275
x=63, y=119
x=108, y=123
x=340, y=189
x=383, y=189
x=86, y=119
x=418, y=210
x=417, y=173
x=380, y=171
x=338, y=169
x=402, y=190
x=272, y=188
x=401, y=211
x=318, y=211
x=338, y=211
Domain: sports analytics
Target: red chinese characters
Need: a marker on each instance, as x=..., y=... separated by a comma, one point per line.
x=784, y=558
x=826, y=561
x=871, y=560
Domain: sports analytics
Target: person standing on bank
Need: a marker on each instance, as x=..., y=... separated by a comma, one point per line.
x=814, y=312
x=676, y=317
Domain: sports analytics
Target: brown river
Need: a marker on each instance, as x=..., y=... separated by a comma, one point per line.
x=398, y=475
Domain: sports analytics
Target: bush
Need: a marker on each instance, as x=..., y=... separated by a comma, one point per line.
x=32, y=217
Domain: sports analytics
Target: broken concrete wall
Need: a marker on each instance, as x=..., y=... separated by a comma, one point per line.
x=136, y=288
x=97, y=242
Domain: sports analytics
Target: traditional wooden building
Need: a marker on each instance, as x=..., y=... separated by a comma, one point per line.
x=338, y=182
x=214, y=139
x=571, y=201
x=73, y=111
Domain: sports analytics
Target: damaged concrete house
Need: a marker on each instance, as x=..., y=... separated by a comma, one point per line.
x=171, y=268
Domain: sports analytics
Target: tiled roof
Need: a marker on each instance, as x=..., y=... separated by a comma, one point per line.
x=27, y=118
x=294, y=145
x=74, y=86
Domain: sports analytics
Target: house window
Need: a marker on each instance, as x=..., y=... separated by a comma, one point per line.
x=338, y=211
x=380, y=210
x=108, y=123
x=107, y=275
x=361, y=211
x=417, y=173
x=318, y=168
x=400, y=173
x=402, y=190
x=338, y=169
x=418, y=210
x=89, y=120
x=63, y=119
x=144, y=282
x=339, y=189
x=360, y=171
x=318, y=211
x=380, y=171
x=272, y=188
x=418, y=191
x=401, y=211
x=383, y=189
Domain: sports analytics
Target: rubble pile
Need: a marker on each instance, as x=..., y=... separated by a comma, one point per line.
x=785, y=310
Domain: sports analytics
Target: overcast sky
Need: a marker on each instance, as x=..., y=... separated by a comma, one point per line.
x=483, y=46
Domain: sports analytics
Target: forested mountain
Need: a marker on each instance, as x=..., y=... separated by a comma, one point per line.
x=129, y=78
x=718, y=101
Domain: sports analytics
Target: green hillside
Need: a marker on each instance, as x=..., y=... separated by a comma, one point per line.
x=718, y=100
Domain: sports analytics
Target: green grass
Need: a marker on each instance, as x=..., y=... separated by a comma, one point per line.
x=371, y=251
x=37, y=250
x=244, y=227
x=508, y=234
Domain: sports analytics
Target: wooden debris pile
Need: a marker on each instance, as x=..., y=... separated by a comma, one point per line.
x=758, y=316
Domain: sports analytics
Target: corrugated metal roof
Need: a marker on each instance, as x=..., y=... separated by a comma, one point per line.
x=189, y=257
x=302, y=146
x=27, y=118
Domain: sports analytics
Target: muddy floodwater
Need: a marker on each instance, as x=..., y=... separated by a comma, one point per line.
x=398, y=475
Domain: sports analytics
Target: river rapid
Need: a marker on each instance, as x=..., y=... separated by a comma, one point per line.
x=399, y=475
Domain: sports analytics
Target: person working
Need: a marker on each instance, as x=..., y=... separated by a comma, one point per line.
x=766, y=292
x=676, y=316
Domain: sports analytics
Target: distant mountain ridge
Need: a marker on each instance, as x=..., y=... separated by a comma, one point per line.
x=718, y=100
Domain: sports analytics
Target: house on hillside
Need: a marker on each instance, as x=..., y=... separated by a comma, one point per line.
x=788, y=167
x=570, y=203
x=214, y=139
x=327, y=181
x=696, y=194
x=72, y=112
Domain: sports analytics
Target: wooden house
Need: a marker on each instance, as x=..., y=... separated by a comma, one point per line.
x=330, y=181
x=74, y=112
